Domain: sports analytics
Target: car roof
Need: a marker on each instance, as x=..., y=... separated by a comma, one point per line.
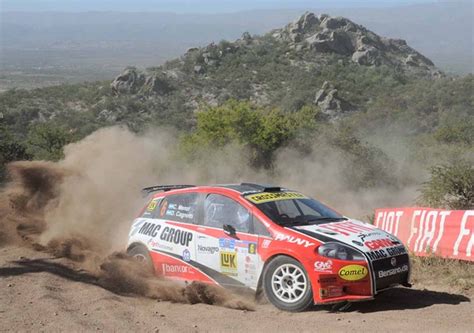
x=242, y=188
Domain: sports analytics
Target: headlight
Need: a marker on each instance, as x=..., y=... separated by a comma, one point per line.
x=339, y=251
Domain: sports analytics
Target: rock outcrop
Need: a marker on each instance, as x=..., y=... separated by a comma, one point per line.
x=130, y=81
x=134, y=81
x=337, y=35
x=330, y=103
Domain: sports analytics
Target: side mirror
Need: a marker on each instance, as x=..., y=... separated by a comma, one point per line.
x=229, y=230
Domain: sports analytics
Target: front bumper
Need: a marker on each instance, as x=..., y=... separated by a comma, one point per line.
x=383, y=274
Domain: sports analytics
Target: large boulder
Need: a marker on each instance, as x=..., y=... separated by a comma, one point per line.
x=130, y=81
x=330, y=103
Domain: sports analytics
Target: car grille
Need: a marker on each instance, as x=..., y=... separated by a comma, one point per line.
x=387, y=275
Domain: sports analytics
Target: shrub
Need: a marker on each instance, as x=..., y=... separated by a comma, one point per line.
x=450, y=186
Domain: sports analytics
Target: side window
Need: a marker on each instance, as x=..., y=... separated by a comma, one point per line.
x=152, y=208
x=259, y=228
x=220, y=210
x=179, y=207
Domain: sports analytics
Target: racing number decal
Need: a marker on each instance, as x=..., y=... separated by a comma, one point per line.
x=164, y=207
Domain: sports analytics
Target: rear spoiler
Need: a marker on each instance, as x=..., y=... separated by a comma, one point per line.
x=147, y=190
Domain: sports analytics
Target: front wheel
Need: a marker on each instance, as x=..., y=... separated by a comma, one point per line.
x=287, y=285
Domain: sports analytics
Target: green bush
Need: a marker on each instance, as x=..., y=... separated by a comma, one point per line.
x=10, y=150
x=46, y=141
x=450, y=186
x=259, y=130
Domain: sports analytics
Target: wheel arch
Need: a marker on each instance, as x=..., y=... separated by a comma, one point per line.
x=135, y=244
x=270, y=259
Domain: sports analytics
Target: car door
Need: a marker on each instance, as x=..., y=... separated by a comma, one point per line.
x=225, y=243
x=173, y=244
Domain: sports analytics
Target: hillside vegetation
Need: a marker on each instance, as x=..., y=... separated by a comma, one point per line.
x=320, y=83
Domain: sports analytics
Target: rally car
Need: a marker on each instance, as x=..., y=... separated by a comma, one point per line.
x=297, y=250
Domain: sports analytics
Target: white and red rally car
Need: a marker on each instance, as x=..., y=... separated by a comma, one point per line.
x=299, y=251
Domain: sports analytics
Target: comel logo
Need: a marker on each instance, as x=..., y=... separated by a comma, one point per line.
x=353, y=272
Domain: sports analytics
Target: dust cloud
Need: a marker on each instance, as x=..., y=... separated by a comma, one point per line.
x=81, y=207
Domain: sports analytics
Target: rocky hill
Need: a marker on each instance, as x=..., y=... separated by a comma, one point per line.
x=270, y=69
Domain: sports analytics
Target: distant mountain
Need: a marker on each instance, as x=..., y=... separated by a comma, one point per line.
x=268, y=68
x=54, y=47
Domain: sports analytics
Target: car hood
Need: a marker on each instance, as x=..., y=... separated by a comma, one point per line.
x=363, y=236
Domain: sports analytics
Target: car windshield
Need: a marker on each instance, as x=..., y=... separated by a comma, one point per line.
x=298, y=211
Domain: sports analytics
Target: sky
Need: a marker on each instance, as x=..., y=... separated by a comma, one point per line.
x=190, y=6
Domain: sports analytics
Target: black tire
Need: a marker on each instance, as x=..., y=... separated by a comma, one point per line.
x=285, y=278
x=141, y=254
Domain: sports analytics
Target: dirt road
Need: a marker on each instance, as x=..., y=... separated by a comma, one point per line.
x=40, y=293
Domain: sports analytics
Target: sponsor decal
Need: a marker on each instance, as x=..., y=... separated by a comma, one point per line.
x=250, y=267
x=182, y=215
x=176, y=236
x=170, y=212
x=152, y=205
x=252, y=248
x=385, y=253
x=149, y=229
x=357, y=243
x=186, y=255
x=363, y=236
x=136, y=226
x=180, y=269
x=172, y=206
x=323, y=266
x=353, y=272
x=347, y=228
x=227, y=243
x=228, y=263
x=274, y=196
x=294, y=240
x=266, y=243
x=207, y=249
x=380, y=243
x=393, y=261
x=156, y=245
x=393, y=271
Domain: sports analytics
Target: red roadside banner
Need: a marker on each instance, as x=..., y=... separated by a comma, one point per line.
x=427, y=231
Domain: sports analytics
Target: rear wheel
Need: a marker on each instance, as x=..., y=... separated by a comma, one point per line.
x=140, y=253
x=287, y=285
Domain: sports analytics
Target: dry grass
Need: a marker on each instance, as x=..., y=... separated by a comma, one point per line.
x=443, y=274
